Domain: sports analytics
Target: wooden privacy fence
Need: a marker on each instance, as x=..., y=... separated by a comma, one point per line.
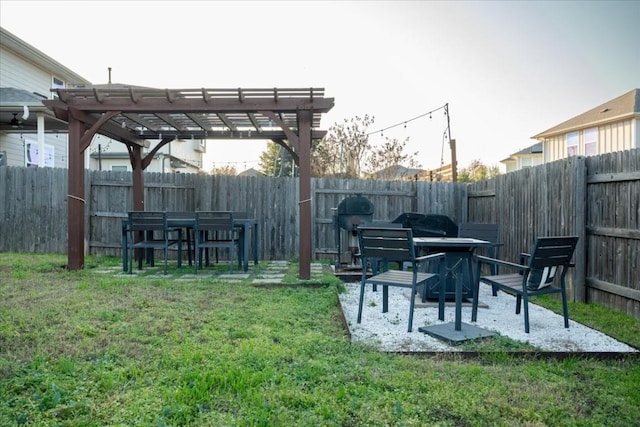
x=389, y=199
x=34, y=212
x=596, y=198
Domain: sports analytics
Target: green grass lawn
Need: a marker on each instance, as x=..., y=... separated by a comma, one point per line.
x=88, y=349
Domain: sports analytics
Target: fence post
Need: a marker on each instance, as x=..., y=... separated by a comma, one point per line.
x=580, y=192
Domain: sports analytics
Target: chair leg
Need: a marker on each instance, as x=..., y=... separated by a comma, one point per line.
x=179, y=247
x=565, y=309
x=385, y=298
x=130, y=253
x=411, y=305
x=361, y=302
x=441, y=293
x=518, y=303
x=526, y=313
x=166, y=257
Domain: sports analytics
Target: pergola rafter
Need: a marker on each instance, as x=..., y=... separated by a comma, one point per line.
x=136, y=116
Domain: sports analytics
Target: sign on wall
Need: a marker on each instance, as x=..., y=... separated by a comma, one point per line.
x=32, y=154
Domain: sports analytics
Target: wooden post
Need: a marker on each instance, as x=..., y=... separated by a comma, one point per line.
x=304, y=203
x=454, y=161
x=75, y=197
x=138, y=179
x=579, y=285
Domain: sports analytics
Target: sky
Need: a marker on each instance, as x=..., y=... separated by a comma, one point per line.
x=506, y=70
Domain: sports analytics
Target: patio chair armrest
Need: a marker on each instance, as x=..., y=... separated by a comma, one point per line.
x=430, y=257
x=487, y=260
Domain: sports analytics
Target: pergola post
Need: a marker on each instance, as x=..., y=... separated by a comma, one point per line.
x=304, y=203
x=75, y=197
x=138, y=179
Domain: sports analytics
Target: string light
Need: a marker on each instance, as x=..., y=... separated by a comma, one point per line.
x=444, y=107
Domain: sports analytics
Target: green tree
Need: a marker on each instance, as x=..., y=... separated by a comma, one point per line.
x=343, y=150
x=276, y=161
x=386, y=159
x=477, y=171
x=224, y=170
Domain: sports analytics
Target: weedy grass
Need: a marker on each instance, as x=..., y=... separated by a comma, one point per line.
x=85, y=348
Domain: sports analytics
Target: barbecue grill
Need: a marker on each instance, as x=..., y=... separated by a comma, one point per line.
x=351, y=213
x=428, y=225
x=432, y=225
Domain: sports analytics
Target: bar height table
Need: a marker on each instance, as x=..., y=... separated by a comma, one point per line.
x=248, y=235
x=459, y=248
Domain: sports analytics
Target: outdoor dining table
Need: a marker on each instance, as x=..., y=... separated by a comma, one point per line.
x=248, y=228
x=459, y=252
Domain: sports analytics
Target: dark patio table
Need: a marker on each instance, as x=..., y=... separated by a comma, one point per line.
x=248, y=235
x=458, y=250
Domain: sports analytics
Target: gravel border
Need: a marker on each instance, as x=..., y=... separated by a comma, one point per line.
x=388, y=331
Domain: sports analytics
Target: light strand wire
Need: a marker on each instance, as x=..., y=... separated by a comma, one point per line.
x=444, y=107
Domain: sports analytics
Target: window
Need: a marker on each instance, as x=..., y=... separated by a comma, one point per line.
x=590, y=141
x=118, y=168
x=526, y=162
x=56, y=83
x=32, y=155
x=573, y=146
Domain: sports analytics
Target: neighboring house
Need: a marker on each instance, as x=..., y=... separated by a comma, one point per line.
x=396, y=172
x=612, y=126
x=403, y=173
x=179, y=156
x=530, y=156
x=251, y=172
x=30, y=135
x=442, y=174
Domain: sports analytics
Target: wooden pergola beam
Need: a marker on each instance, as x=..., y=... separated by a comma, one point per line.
x=97, y=109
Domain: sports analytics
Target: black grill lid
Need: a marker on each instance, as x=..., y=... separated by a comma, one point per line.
x=428, y=225
x=353, y=212
x=355, y=206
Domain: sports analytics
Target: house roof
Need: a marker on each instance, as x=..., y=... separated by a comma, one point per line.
x=251, y=172
x=532, y=149
x=11, y=95
x=16, y=103
x=396, y=171
x=623, y=107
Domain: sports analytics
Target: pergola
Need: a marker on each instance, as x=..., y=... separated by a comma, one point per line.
x=135, y=116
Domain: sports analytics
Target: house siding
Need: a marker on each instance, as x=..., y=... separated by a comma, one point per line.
x=611, y=137
x=18, y=72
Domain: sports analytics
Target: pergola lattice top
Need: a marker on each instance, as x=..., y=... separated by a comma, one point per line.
x=147, y=113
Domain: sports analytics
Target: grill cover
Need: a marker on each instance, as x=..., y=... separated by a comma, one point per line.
x=428, y=225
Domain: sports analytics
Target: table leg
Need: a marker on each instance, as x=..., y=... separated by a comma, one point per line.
x=457, y=331
x=125, y=246
x=458, y=325
x=255, y=244
x=247, y=245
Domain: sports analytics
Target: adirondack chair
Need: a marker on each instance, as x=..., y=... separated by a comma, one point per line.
x=381, y=244
x=488, y=232
x=547, y=265
x=148, y=231
x=214, y=230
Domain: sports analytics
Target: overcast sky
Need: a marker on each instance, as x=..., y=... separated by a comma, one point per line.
x=507, y=70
